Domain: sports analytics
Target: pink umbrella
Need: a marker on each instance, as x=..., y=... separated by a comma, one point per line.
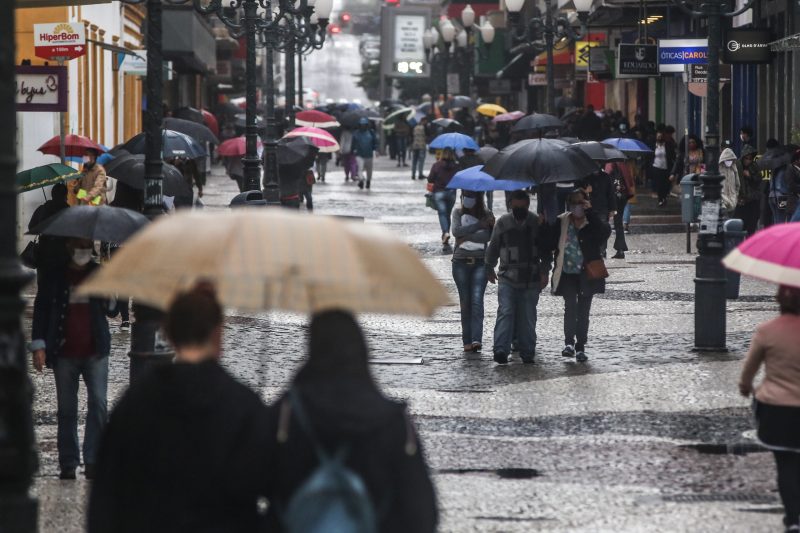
x=509, y=117
x=772, y=254
x=322, y=139
x=234, y=147
x=210, y=121
x=315, y=119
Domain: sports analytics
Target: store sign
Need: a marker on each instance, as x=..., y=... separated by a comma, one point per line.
x=747, y=46
x=537, y=79
x=699, y=73
x=673, y=54
x=62, y=40
x=599, y=61
x=638, y=59
x=409, y=52
x=583, y=53
x=40, y=88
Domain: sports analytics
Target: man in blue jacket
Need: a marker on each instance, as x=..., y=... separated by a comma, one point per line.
x=70, y=335
x=364, y=145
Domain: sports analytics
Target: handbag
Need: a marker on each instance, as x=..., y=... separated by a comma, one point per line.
x=429, y=201
x=28, y=255
x=596, y=269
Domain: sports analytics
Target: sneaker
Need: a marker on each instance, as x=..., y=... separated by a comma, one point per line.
x=67, y=473
x=125, y=325
x=580, y=356
x=88, y=471
x=445, y=239
x=568, y=351
x=360, y=184
x=618, y=255
x=501, y=358
x=476, y=347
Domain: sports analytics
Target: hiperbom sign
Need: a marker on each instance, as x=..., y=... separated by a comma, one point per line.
x=59, y=40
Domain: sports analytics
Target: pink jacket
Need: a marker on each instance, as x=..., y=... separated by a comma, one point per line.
x=776, y=344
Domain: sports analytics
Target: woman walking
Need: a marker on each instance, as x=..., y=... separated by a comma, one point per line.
x=441, y=173
x=579, y=272
x=776, y=345
x=748, y=207
x=419, y=147
x=625, y=189
x=472, y=227
x=663, y=161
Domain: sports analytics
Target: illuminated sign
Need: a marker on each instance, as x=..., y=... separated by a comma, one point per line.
x=673, y=54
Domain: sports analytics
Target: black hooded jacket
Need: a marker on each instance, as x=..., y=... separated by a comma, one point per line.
x=345, y=407
x=184, y=451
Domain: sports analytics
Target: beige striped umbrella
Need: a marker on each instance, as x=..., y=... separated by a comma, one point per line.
x=272, y=259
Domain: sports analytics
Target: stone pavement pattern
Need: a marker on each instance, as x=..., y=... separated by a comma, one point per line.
x=610, y=445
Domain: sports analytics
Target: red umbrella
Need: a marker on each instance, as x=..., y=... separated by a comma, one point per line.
x=74, y=146
x=315, y=119
x=211, y=121
x=234, y=147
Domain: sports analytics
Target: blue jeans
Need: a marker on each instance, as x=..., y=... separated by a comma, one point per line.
x=516, y=316
x=418, y=163
x=444, y=200
x=67, y=372
x=471, y=283
x=626, y=214
x=779, y=216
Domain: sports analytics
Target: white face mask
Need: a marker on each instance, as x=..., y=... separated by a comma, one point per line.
x=87, y=159
x=468, y=202
x=728, y=163
x=81, y=256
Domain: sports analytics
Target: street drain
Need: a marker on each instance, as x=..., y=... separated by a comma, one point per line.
x=505, y=473
x=750, y=497
x=738, y=448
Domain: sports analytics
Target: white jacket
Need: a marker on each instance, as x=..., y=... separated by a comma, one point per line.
x=731, y=183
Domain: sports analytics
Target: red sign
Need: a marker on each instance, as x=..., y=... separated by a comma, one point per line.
x=61, y=40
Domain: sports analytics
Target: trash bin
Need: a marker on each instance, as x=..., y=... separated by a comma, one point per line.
x=734, y=235
x=691, y=198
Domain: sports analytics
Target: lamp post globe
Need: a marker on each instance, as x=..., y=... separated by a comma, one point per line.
x=323, y=9
x=514, y=6
x=448, y=31
x=487, y=32
x=467, y=16
x=461, y=39
x=428, y=39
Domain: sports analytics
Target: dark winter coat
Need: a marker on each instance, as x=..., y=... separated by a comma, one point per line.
x=50, y=312
x=591, y=237
x=441, y=173
x=603, y=195
x=345, y=407
x=184, y=451
x=51, y=251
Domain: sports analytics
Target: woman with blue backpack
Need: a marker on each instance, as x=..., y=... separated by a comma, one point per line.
x=344, y=457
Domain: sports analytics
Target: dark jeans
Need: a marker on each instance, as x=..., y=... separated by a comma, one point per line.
x=576, y=311
x=619, y=240
x=470, y=278
x=400, y=147
x=418, y=163
x=788, y=466
x=67, y=372
x=306, y=195
x=750, y=214
x=516, y=317
x=661, y=182
x=444, y=200
x=779, y=216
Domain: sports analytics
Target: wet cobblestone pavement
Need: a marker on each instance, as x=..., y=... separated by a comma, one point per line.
x=557, y=446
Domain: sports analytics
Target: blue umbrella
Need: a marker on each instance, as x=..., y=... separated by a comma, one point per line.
x=475, y=179
x=456, y=141
x=628, y=145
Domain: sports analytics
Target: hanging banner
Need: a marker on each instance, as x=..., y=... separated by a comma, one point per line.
x=673, y=54
x=40, y=88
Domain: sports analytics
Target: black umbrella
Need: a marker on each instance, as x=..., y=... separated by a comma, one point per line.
x=101, y=223
x=461, y=101
x=298, y=151
x=227, y=109
x=198, y=132
x=537, y=122
x=487, y=152
x=598, y=151
x=540, y=161
x=174, y=144
x=241, y=121
x=350, y=119
x=129, y=169
x=448, y=123
x=189, y=113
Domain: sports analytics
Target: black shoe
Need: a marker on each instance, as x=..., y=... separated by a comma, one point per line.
x=360, y=184
x=580, y=356
x=527, y=360
x=568, y=351
x=368, y=184
x=67, y=473
x=501, y=358
x=88, y=471
x=618, y=255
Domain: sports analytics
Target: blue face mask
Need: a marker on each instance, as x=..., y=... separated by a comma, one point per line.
x=468, y=202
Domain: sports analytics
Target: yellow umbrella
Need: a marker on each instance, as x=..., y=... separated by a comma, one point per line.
x=491, y=110
x=272, y=259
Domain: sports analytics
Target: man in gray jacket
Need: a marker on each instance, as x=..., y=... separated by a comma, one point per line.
x=518, y=242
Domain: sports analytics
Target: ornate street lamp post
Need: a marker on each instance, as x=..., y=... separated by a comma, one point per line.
x=551, y=27
x=709, y=287
x=304, y=36
x=466, y=47
x=439, y=59
x=18, y=511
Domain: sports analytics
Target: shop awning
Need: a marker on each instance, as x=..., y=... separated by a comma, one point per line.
x=792, y=42
x=563, y=56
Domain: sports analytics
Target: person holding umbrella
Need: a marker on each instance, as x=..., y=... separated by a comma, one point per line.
x=364, y=145
x=472, y=228
x=90, y=188
x=70, y=334
x=440, y=175
x=579, y=272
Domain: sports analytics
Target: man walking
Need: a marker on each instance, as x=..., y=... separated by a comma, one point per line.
x=70, y=335
x=517, y=241
x=364, y=145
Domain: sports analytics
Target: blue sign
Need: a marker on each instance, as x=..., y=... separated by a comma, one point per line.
x=673, y=54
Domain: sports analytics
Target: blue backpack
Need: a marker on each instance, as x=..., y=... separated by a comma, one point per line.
x=333, y=499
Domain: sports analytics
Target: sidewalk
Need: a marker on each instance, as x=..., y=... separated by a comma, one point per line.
x=554, y=446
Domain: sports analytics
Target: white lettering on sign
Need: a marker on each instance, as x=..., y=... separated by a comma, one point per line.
x=61, y=40
x=408, y=32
